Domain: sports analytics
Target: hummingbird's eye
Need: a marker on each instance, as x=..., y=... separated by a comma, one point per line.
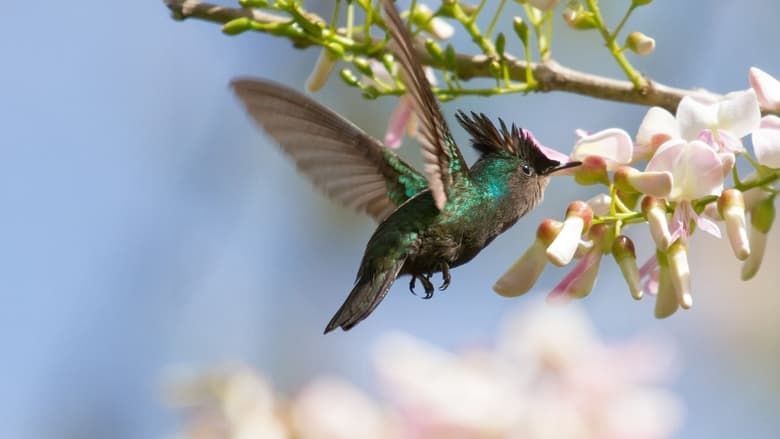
x=526, y=170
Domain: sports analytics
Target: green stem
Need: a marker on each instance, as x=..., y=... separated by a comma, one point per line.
x=494, y=20
x=634, y=76
x=623, y=21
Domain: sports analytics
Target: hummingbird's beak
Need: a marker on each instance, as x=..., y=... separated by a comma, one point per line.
x=562, y=167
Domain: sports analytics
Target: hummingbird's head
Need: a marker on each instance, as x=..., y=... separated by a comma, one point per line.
x=518, y=153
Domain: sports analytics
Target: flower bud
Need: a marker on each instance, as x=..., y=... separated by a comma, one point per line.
x=761, y=219
x=521, y=29
x=593, y=170
x=322, y=69
x=657, y=184
x=625, y=256
x=237, y=26
x=523, y=274
x=349, y=77
x=438, y=28
x=580, y=280
x=578, y=218
x=655, y=212
x=578, y=18
x=640, y=43
x=731, y=206
x=637, y=3
x=680, y=273
x=666, y=302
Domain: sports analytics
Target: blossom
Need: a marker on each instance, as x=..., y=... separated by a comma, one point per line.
x=696, y=171
x=766, y=141
x=767, y=88
x=722, y=122
x=578, y=218
x=403, y=120
x=613, y=145
x=581, y=279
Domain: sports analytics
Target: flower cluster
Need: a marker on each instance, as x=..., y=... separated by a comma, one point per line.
x=549, y=375
x=689, y=157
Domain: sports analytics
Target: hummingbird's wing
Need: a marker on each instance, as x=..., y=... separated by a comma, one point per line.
x=346, y=163
x=444, y=164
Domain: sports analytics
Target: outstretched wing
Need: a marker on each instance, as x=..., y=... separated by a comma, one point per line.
x=346, y=163
x=444, y=164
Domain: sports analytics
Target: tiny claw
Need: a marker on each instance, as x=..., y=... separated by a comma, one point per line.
x=412, y=284
x=427, y=285
x=445, y=275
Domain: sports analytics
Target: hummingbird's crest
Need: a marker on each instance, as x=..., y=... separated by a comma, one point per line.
x=488, y=139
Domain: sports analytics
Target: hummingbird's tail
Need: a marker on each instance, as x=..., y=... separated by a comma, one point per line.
x=370, y=288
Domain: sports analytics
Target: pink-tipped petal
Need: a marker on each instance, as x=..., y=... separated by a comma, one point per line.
x=522, y=275
x=562, y=250
x=766, y=142
x=613, y=145
x=553, y=154
x=657, y=127
x=767, y=88
x=580, y=280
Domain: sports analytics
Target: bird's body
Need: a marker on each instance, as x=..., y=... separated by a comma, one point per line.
x=427, y=223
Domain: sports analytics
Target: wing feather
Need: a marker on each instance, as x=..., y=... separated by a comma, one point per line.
x=444, y=162
x=347, y=164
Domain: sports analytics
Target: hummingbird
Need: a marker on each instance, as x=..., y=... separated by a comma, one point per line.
x=428, y=223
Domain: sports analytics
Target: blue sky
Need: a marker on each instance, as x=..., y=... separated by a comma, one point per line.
x=147, y=225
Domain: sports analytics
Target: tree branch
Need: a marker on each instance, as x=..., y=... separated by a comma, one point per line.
x=550, y=75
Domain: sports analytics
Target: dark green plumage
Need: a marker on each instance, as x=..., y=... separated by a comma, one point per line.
x=428, y=224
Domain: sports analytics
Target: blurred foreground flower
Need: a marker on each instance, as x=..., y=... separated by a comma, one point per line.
x=548, y=375
x=682, y=189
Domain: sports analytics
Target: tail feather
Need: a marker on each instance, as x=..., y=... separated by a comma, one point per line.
x=368, y=291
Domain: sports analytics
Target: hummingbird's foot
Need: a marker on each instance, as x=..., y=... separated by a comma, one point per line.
x=425, y=281
x=445, y=276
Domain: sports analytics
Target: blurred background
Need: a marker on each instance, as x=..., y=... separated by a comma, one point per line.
x=148, y=226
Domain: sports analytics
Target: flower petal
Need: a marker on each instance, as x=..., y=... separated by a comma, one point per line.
x=695, y=114
x=767, y=88
x=696, y=169
x=657, y=127
x=766, y=142
x=739, y=113
x=613, y=144
x=402, y=116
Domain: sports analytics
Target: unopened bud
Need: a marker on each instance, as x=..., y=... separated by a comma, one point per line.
x=637, y=3
x=438, y=28
x=680, y=273
x=625, y=256
x=593, y=170
x=349, y=77
x=237, y=26
x=640, y=43
x=578, y=218
x=666, y=302
x=655, y=212
x=578, y=18
x=657, y=184
x=322, y=69
x=761, y=218
x=521, y=29
x=731, y=207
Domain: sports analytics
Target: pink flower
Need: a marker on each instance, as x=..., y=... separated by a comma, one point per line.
x=766, y=142
x=696, y=171
x=767, y=88
x=720, y=123
x=613, y=145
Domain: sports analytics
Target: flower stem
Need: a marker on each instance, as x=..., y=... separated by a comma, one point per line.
x=611, y=42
